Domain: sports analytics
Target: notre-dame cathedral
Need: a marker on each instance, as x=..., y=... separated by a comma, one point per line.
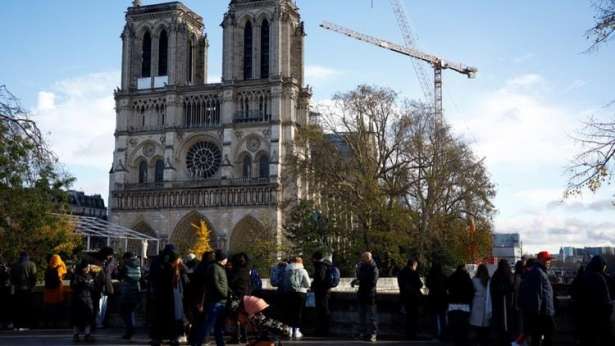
x=187, y=150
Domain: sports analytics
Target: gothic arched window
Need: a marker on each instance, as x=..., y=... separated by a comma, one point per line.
x=146, y=61
x=247, y=51
x=265, y=49
x=159, y=173
x=142, y=172
x=247, y=167
x=190, y=61
x=163, y=45
x=263, y=167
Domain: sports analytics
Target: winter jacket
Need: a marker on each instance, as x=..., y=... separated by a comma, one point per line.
x=536, y=292
x=82, y=286
x=436, y=283
x=216, y=284
x=481, y=304
x=367, y=277
x=410, y=285
x=130, y=276
x=23, y=275
x=502, y=292
x=319, y=279
x=5, y=277
x=593, y=295
x=460, y=288
x=239, y=281
x=296, y=278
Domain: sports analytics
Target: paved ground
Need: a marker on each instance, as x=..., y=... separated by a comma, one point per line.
x=112, y=337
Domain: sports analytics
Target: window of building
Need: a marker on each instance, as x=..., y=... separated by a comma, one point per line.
x=247, y=167
x=146, y=61
x=247, y=51
x=265, y=49
x=159, y=174
x=163, y=44
x=190, y=60
x=263, y=167
x=142, y=172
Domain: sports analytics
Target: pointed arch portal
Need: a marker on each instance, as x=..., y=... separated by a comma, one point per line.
x=184, y=235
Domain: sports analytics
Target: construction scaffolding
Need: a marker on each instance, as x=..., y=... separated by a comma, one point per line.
x=99, y=233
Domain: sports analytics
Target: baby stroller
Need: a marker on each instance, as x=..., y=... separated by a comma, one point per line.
x=267, y=331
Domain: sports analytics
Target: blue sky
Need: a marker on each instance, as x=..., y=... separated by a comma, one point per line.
x=535, y=87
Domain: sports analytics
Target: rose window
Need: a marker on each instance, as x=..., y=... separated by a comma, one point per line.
x=203, y=159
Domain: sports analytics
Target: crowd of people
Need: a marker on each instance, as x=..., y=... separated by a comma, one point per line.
x=189, y=300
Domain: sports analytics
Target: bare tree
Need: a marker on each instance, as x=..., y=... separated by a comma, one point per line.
x=604, y=26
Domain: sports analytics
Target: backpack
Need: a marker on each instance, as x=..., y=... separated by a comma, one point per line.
x=332, y=277
x=277, y=275
x=296, y=280
x=256, y=284
x=52, y=280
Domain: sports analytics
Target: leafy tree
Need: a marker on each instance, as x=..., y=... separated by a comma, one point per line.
x=32, y=189
x=202, y=243
x=387, y=177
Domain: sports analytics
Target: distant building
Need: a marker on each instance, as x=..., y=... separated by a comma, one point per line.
x=507, y=246
x=571, y=254
x=86, y=205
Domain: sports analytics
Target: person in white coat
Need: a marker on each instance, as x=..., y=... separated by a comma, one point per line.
x=480, y=317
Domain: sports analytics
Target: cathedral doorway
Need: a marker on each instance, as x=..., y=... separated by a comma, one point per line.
x=184, y=235
x=245, y=234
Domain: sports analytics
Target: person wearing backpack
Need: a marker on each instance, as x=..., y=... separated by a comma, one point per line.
x=297, y=281
x=326, y=276
x=130, y=292
x=53, y=294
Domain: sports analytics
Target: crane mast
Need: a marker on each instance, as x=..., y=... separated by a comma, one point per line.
x=410, y=42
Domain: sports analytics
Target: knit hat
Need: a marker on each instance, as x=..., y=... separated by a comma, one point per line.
x=544, y=256
x=220, y=255
x=253, y=305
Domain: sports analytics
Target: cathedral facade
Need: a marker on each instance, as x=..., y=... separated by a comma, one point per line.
x=187, y=150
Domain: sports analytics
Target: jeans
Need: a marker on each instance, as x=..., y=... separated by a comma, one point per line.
x=102, y=310
x=128, y=315
x=322, y=311
x=540, y=327
x=214, y=319
x=368, y=312
x=459, y=323
x=23, y=309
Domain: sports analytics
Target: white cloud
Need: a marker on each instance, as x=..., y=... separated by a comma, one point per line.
x=78, y=117
x=317, y=73
x=46, y=101
x=523, y=58
x=515, y=125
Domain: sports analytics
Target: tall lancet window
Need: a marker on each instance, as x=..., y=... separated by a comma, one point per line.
x=159, y=172
x=190, y=62
x=247, y=51
x=247, y=167
x=265, y=49
x=146, y=59
x=163, y=45
x=142, y=172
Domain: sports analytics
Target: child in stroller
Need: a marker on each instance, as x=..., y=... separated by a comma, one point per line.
x=267, y=331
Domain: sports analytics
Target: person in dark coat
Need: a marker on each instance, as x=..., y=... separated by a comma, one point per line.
x=576, y=308
x=239, y=284
x=536, y=298
x=216, y=297
x=322, y=292
x=23, y=277
x=438, y=304
x=460, y=291
x=502, y=292
x=6, y=300
x=410, y=286
x=367, y=278
x=83, y=313
x=194, y=301
x=595, y=305
x=168, y=279
x=518, y=331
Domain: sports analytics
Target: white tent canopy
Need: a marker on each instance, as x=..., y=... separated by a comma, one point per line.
x=113, y=234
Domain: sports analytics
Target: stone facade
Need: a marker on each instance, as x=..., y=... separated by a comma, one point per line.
x=187, y=150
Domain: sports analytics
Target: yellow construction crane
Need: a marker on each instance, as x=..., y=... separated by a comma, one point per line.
x=436, y=62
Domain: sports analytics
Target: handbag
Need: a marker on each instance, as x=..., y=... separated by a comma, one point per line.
x=310, y=300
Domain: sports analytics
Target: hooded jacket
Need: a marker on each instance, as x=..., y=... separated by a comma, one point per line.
x=536, y=292
x=594, y=296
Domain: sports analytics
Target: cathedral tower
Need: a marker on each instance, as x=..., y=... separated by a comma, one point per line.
x=186, y=150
